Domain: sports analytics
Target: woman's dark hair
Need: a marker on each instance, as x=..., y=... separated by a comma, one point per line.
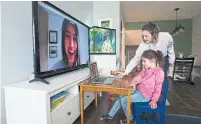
x=157, y=55
x=65, y=24
x=152, y=29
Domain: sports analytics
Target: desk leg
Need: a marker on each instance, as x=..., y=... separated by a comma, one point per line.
x=81, y=105
x=96, y=98
x=129, y=107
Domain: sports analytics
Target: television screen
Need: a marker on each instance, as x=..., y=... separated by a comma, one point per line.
x=61, y=41
x=102, y=40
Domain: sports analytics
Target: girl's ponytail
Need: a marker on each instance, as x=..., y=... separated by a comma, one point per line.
x=157, y=55
x=160, y=59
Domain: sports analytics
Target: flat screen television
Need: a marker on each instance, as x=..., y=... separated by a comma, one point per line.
x=61, y=42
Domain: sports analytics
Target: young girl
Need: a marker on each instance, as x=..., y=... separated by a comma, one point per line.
x=148, y=83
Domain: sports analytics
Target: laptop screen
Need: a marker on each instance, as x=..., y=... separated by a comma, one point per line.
x=93, y=69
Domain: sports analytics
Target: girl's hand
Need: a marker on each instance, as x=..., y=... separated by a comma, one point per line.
x=153, y=105
x=131, y=86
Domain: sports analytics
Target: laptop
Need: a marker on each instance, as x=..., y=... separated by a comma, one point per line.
x=96, y=78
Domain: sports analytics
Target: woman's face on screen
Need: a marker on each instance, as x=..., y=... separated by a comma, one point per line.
x=70, y=44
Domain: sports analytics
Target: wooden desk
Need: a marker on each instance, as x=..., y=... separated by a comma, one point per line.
x=118, y=87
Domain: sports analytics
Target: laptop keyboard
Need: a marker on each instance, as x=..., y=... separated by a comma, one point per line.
x=100, y=79
x=109, y=80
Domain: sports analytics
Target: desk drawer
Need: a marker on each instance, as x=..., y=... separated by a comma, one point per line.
x=88, y=98
x=66, y=112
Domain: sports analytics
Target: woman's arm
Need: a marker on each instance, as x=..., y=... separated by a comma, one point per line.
x=136, y=59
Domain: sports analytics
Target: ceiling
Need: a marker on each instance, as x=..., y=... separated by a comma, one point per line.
x=136, y=11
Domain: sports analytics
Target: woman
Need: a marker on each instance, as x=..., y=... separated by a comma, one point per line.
x=69, y=45
x=155, y=40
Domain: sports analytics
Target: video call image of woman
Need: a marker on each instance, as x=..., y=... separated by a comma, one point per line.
x=69, y=45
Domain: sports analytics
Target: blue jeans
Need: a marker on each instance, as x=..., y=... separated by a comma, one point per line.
x=135, y=97
x=166, y=65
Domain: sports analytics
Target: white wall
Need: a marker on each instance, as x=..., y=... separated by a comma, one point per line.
x=101, y=10
x=17, y=60
x=196, y=38
x=0, y=65
x=16, y=31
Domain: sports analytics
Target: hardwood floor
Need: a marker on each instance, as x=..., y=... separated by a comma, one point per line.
x=184, y=99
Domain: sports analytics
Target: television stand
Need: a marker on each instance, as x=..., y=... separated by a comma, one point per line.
x=39, y=79
x=35, y=99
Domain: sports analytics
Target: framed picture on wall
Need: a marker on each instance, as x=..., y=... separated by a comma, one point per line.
x=52, y=51
x=102, y=40
x=52, y=37
x=105, y=23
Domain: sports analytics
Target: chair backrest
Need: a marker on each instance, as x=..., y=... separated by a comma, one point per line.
x=93, y=69
x=164, y=92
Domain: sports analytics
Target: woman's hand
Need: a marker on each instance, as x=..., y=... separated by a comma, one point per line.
x=153, y=105
x=118, y=73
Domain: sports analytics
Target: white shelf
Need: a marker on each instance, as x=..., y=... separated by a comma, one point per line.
x=56, y=82
x=72, y=92
x=34, y=98
x=67, y=99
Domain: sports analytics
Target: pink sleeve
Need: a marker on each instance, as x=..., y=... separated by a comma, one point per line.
x=138, y=78
x=158, y=86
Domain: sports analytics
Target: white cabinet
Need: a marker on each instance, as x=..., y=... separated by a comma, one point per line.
x=29, y=103
x=66, y=112
x=88, y=98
